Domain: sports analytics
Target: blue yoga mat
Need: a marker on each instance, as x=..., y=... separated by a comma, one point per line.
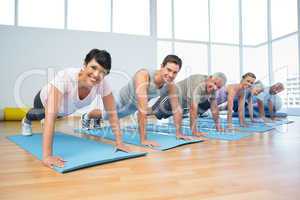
x=279, y=122
x=253, y=127
x=205, y=125
x=131, y=136
x=79, y=152
x=211, y=134
x=227, y=136
x=236, y=121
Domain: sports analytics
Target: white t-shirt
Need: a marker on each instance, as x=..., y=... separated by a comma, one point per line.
x=265, y=97
x=66, y=81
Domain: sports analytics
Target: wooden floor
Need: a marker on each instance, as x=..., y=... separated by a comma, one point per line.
x=265, y=166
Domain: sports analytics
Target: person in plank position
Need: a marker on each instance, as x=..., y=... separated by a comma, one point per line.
x=72, y=89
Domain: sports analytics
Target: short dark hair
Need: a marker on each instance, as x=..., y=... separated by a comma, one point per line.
x=102, y=57
x=250, y=74
x=172, y=59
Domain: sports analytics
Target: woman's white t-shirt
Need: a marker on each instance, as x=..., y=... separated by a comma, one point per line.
x=66, y=81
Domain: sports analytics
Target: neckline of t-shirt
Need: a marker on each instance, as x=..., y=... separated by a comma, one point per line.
x=77, y=88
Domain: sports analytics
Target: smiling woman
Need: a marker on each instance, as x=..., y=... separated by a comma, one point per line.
x=97, y=65
x=72, y=89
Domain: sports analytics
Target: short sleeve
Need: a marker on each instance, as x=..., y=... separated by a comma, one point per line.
x=60, y=81
x=192, y=89
x=104, y=88
x=196, y=90
x=196, y=94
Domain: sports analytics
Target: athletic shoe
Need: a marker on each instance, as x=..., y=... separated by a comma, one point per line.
x=85, y=122
x=97, y=123
x=26, y=128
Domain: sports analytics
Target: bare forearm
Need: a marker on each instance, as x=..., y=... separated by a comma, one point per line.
x=271, y=109
x=193, y=121
x=48, y=134
x=229, y=113
x=178, y=121
x=241, y=114
x=115, y=125
x=250, y=108
x=261, y=109
x=142, y=119
x=215, y=114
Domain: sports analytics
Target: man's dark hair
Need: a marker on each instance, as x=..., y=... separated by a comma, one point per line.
x=172, y=59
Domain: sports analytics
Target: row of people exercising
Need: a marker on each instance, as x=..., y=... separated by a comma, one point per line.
x=75, y=88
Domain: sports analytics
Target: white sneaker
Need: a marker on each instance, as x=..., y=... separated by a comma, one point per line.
x=42, y=122
x=26, y=128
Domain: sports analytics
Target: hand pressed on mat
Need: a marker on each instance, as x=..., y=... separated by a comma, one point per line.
x=149, y=143
x=53, y=161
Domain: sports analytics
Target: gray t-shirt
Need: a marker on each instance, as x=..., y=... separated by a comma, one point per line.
x=193, y=89
x=127, y=94
x=265, y=97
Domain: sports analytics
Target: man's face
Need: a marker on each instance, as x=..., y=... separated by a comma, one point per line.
x=213, y=84
x=276, y=88
x=169, y=72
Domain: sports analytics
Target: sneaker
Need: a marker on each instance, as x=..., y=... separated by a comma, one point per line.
x=97, y=123
x=85, y=122
x=42, y=122
x=26, y=128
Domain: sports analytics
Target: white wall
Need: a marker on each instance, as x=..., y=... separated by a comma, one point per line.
x=25, y=49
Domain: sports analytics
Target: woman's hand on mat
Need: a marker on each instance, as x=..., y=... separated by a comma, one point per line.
x=275, y=119
x=199, y=134
x=52, y=161
x=257, y=120
x=266, y=120
x=184, y=137
x=244, y=125
x=122, y=147
x=229, y=126
x=150, y=143
x=220, y=129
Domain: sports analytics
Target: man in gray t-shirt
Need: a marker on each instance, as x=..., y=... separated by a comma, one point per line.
x=135, y=95
x=192, y=91
x=268, y=101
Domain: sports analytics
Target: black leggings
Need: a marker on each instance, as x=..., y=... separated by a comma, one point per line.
x=38, y=110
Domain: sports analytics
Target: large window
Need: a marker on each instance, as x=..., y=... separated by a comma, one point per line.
x=194, y=59
x=254, y=14
x=286, y=69
x=131, y=16
x=284, y=17
x=256, y=61
x=225, y=21
x=163, y=49
x=90, y=15
x=226, y=59
x=7, y=12
x=37, y=13
x=191, y=19
x=164, y=19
